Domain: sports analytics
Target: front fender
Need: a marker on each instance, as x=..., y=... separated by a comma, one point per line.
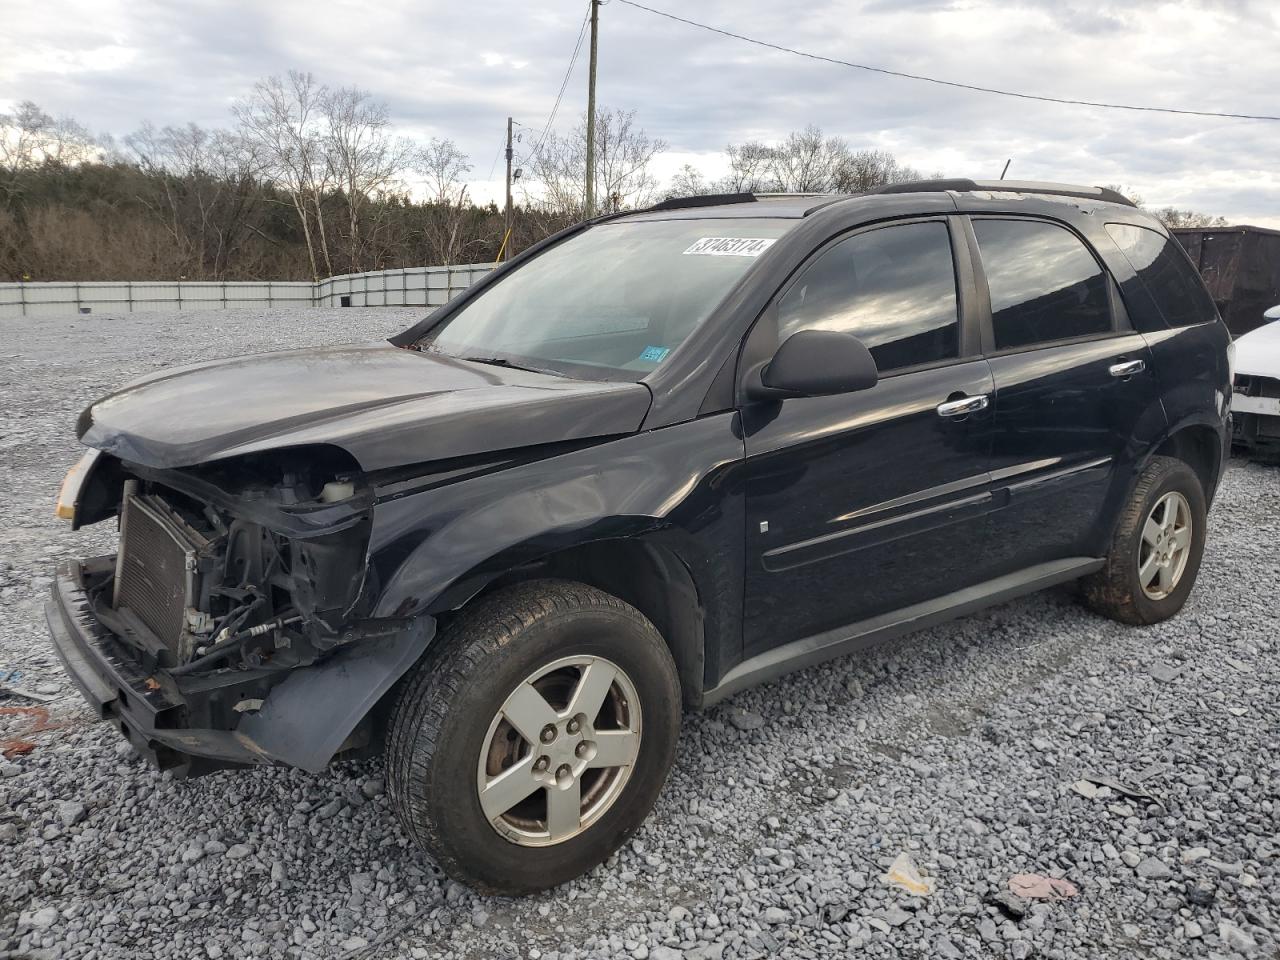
x=434, y=549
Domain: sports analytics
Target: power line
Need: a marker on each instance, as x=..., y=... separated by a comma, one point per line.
x=577, y=48
x=945, y=83
x=494, y=166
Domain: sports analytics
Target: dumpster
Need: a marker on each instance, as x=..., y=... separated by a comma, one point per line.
x=1241, y=268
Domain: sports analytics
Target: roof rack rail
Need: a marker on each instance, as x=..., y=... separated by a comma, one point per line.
x=716, y=199
x=962, y=185
x=703, y=200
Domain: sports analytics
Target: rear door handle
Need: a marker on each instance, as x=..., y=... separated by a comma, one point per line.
x=1127, y=368
x=964, y=406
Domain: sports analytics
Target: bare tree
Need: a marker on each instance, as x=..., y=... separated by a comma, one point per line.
x=863, y=170
x=688, y=182
x=202, y=187
x=750, y=168
x=624, y=153
x=443, y=167
x=362, y=156
x=1173, y=217
x=282, y=118
x=31, y=138
x=807, y=161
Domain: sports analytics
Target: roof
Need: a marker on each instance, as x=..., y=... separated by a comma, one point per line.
x=799, y=205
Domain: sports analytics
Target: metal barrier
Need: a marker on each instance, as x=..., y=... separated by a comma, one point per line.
x=408, y=287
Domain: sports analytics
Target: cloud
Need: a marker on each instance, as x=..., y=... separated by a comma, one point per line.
x=458, y=71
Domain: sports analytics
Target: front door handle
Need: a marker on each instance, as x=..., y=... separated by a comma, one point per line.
x=1127, y=368
x=964, y=406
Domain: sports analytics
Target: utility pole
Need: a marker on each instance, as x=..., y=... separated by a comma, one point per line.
x=506, y=236
x=591, y=113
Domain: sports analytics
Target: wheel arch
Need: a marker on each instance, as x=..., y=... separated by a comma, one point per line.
x=1196, y=440
x=1198, y=444
x=648, y=575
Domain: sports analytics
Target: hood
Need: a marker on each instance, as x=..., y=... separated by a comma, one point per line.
x=383, y=405
x=1258, y=353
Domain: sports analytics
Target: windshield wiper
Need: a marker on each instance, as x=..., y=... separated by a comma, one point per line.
x=504, y=362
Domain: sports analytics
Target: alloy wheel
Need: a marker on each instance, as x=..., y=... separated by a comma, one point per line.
x=559, y=751
x=1165, y=546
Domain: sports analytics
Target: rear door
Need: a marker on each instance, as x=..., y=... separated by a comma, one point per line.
x=866, y=502
x=1074, y=389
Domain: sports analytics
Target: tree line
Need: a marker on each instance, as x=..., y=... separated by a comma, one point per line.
x=311, y=180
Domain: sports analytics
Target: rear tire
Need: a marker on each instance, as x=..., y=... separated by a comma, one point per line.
x=1156, y=549
x=535, y=737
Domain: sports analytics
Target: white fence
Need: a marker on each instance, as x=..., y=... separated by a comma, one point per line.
x=410, y=287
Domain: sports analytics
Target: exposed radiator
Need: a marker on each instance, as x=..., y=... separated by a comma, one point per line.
x=156, y=568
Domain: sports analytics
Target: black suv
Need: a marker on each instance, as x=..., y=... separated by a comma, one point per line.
x=655, y=459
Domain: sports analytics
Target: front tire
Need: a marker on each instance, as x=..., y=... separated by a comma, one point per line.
x=535, y=737
x=1156, y=549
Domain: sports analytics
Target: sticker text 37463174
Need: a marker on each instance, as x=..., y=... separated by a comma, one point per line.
x=730, y=246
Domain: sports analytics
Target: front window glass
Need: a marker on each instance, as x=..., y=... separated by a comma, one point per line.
x=893, y=288
x=612, y=302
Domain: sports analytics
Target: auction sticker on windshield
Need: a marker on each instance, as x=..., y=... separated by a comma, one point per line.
x=730, y=246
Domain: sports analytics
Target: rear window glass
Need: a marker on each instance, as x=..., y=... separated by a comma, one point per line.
x=1045, y=284
x=1166, y=273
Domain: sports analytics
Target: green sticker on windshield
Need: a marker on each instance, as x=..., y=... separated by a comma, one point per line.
x=655, y=354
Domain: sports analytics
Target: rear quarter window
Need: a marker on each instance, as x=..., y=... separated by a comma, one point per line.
x=1166, y=273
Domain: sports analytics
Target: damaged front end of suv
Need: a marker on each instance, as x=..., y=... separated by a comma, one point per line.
x=290, y=527
x=233, y=626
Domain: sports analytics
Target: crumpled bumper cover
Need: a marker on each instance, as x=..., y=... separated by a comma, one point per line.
x=302, y=723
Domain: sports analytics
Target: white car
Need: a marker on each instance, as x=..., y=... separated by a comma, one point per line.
x=1255, y=407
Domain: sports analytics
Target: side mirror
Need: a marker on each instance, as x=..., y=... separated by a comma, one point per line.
x=816, y=363
x=1272, y=314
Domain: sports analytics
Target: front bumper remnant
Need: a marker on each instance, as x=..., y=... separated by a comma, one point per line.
x=302, y=722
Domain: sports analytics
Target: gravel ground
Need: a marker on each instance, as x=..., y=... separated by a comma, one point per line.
x=964, y=747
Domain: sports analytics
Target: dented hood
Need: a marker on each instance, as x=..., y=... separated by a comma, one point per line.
x=384, y=405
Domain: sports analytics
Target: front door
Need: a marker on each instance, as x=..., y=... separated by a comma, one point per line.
x=867, y=502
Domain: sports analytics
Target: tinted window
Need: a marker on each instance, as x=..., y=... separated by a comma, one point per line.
x=894, y=289
x=1044, y=284
x=1166, y=273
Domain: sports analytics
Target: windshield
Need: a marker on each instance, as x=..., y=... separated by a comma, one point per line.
x=613, y=302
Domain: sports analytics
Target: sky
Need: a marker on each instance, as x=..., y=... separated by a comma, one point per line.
x=458, y=70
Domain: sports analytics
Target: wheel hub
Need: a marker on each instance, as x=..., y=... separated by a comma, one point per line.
x=567, y=755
